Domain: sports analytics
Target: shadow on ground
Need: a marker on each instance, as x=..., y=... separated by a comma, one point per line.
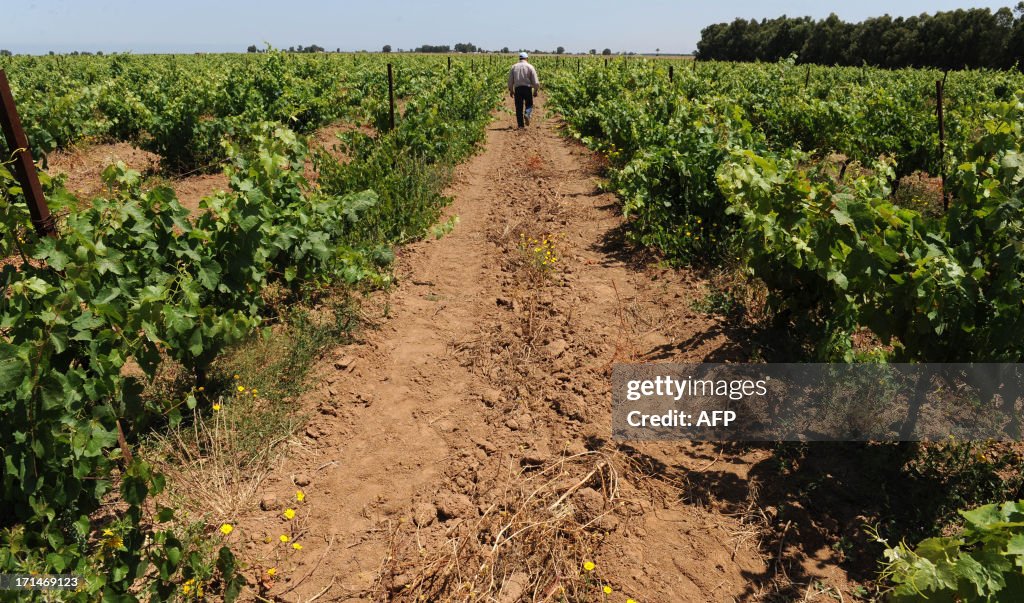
x=818, y=504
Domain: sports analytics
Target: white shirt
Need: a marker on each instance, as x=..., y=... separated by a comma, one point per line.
x=522, y=74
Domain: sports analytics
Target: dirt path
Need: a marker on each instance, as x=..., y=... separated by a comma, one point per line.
x=460, y=451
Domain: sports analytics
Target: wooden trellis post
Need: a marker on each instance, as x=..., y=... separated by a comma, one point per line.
x=24, y=167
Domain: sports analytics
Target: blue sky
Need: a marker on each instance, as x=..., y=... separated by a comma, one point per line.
x=37, y=26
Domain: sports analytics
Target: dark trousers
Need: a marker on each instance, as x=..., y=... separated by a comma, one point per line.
x=524, y=99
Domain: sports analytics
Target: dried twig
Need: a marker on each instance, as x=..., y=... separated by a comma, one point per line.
x=323, y=592
x=577, y=486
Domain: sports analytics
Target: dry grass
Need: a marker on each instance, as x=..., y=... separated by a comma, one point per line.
x=211, y=471
x=216, y=459
x=920, y=192
x=500, y=352
x=531, y=542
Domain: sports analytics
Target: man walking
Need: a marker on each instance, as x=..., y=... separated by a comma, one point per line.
x=523, y=86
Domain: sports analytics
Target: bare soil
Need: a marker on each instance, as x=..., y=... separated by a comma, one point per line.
x=326, y=139
x=460, y=450
x=83, y=169
x=82, y=166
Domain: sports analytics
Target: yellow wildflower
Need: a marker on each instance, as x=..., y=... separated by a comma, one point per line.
x=226, y=528
x=300, y=495
x=241, y=389
x=296, y=546
x=216, y=407
x=272, y=571
x=236, y=376
x=289, y=513
x=589, y=566
x=111, y=541
x=607, y=590
x=284, y=538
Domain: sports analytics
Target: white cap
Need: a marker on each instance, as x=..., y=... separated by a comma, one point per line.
x=523, y=55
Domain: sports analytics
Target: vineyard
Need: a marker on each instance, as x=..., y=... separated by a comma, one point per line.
x=847, y=228
x=793, y=172
x=135, y=278
x=793, y=176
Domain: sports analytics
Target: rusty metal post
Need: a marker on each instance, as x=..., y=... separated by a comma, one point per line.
x=24, y=168
x=391, y=95
x=449, y=63
x=671, y=74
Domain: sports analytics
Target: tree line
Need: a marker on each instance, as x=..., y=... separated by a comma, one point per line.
x=964, y=38
x=299, y=48
x=462, y=47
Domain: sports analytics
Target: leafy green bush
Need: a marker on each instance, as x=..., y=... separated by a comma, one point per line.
x=984, y=561
x=137, y=278
x=842, y=253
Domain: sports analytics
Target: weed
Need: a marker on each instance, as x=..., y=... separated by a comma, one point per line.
x=717, y=301
x=444, y=228
x=539, y=253
x=216, y=461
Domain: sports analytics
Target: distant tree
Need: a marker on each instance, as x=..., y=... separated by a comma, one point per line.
x=387, y=48
x=252, y=48
x=965, y=38
x=51, y=53
x=505, y=50
x=560, y=50
x=606, y=51
x=593, y=51
x=1015, y=42
x=99, y=53
x=431, y=48
x=465, y=47
x=828, y=42
x=292, y=48
x=5, y=53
